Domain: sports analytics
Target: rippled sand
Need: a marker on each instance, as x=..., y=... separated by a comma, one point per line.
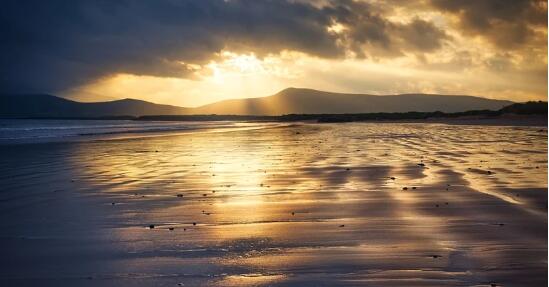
x=297, y=205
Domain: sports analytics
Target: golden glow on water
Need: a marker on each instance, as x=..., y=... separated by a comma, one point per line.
x=270, y=202
x=251, y=280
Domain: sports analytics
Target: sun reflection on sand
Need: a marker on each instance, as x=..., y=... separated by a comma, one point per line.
x=261, y=205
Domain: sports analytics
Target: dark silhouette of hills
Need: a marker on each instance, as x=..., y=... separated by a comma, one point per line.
x=528, y=108
x=288, y=101
x=48, y=106
x=538, y=110
x=308, y=101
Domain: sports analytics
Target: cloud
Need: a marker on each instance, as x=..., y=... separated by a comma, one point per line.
x=59, y=45
x=50, y=46
x=507, y=24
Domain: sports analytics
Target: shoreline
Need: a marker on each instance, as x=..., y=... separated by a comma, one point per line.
x=417, y=117
x=250, y=125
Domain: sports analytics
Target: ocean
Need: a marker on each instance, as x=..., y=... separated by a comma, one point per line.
x=16, y=131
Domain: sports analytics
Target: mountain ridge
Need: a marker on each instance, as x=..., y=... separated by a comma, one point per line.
x=310, y=101
x=287, y=101
x=45, y=105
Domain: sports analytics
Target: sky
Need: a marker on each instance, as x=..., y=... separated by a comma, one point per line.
x=191, y=53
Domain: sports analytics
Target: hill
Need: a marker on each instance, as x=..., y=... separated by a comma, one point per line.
x=528, y=114
x=48, y=106
x=308, y=101
x=288, y=101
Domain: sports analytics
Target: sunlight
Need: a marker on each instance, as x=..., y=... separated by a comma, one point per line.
x=234, y=75
x=244, y=63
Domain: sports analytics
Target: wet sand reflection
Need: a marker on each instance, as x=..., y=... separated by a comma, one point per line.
x=320, y=204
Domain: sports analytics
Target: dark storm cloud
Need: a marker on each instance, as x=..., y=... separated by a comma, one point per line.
x=507, y=24
x=47, y=46
x=422, y=35
x=369, y=33
x=50, y=45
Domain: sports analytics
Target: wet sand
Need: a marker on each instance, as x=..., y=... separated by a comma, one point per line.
x=358, y=204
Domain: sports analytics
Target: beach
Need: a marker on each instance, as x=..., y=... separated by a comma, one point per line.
x=287, y=204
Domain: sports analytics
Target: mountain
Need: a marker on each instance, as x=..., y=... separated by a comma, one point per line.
x=288, y=101
x=308, y=101
x=43, y=105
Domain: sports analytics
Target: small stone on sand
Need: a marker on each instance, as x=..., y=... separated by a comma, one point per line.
x=404, y=188
x=171, y=228
x=151, y=226
x=342, y=225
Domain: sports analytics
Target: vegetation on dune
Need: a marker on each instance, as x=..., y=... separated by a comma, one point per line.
x=529, y=108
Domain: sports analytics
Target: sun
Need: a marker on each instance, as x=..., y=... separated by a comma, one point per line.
x=243, y=63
